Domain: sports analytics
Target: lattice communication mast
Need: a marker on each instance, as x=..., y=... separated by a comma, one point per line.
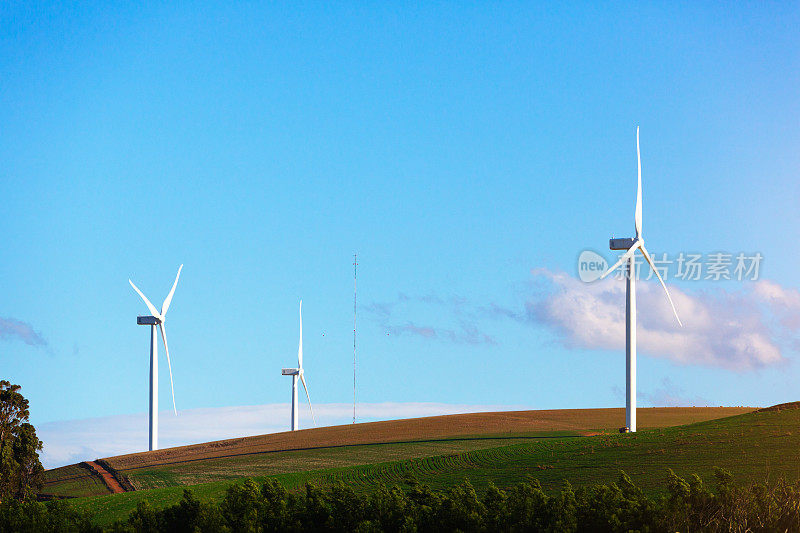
x=355, y=293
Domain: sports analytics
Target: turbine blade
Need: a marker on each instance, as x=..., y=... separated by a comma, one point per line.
x=150, y=306
x=638, y=214
x=300, y=347
x=168, y=300
x=303, y=379
x=169, y=364
x=653, y=266
x=622, y=259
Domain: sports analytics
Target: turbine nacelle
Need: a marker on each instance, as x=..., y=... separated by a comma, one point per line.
x=621, y=244
x=148, y=320
x=290, y=371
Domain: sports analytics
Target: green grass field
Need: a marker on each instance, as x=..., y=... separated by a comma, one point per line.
x=754, y=447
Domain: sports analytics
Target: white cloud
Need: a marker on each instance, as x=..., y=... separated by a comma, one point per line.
x=784, y=302
x=733, y=330
x=73, y=441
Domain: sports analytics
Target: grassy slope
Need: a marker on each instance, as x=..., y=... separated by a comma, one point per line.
x=278, y=453
x=753, y=446
x=415, y=429
x=340, y=446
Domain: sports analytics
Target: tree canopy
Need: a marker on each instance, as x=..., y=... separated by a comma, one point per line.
x=20, y=468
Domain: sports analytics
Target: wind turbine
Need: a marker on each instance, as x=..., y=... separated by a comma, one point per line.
x=631, y=245
x=157, y=319
x=295, y=373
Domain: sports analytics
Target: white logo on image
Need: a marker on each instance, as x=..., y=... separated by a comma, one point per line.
x=591, y=266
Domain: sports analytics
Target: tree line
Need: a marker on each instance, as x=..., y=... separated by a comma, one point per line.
x=686, y=505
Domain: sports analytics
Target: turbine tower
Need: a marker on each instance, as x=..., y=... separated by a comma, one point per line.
x=631, y=245
x=157, y=319
x=295, y=373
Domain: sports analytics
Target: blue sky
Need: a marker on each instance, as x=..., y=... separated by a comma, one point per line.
x=459, y=148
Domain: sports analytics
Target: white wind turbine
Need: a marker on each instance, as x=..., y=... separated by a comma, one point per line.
x=157, y=319
x=295, y=373
x=631, y=245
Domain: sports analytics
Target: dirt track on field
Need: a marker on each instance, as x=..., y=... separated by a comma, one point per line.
x=477, y=425
x=110, y=481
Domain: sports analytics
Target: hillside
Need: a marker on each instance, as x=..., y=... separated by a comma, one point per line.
x=359, y=444
x=755, y=447
x=499, y=425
